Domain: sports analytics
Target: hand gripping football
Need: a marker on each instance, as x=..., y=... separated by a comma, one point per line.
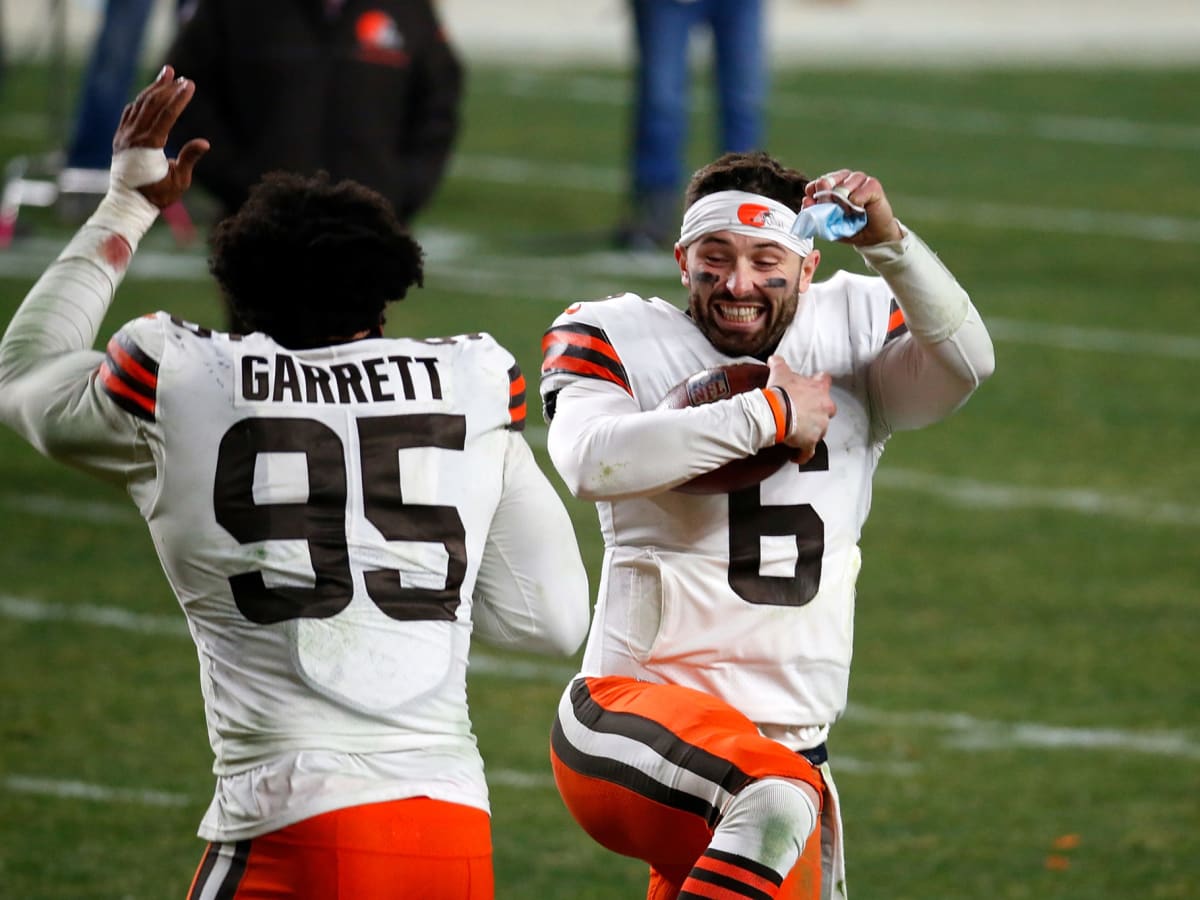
x=720, y=383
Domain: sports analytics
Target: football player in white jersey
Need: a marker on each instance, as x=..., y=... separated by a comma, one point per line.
x=719, y=653
x=337, y=511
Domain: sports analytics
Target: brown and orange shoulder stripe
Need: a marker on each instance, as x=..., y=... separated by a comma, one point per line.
x=130, y=377
x=579, y=349
x=516, y=399
x=896, y=324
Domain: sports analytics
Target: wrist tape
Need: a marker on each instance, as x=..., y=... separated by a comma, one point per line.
x=124, y=209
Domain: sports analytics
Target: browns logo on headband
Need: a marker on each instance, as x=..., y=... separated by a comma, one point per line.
x=742, y=213
x=753, y=214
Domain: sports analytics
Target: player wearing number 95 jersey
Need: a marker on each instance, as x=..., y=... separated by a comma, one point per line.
x=337, y=512
x=719, y=653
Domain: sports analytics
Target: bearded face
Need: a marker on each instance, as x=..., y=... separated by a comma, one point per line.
x=743, y=292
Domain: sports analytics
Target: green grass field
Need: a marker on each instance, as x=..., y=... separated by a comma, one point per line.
x=1025, y=704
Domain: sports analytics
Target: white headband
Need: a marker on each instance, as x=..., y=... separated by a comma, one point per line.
x=742, y=213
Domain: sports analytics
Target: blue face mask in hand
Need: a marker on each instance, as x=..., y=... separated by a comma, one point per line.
x=829, y=221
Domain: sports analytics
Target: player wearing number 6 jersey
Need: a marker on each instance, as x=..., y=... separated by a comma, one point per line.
x=719, y=654
x=337, y=511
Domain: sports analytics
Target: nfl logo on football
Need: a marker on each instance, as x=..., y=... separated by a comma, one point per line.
x=708, y=387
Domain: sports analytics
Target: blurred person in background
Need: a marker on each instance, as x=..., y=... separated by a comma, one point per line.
x=337, y=512
x=362, y=89
x=662, y=102
x=107, y=84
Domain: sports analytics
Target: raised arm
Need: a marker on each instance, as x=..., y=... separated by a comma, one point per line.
x=47, y=365
x=924, y=377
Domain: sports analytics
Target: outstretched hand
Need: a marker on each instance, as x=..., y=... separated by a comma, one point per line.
x=865, y=191
x=145, y=124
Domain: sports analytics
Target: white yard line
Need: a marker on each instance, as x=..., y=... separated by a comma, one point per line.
x=514, y=778
x=1129, y=226
x=1051, y=220
x=25, y=609
x=593, y=274
x=969, y=733
x=67, y=789
x=974, y=494
x=1074, y=129
x=958, y=730
x=481, y=663
x=551, y=85
x=1108, y=131
x=79, y=790
x=454, y=260
x=984, y=495
x=49, y=506
x=1103, y=340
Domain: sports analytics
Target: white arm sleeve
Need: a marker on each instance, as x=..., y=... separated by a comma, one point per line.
x=605, y=446
x=532, y=589
x=920, y=379
x=47, y=364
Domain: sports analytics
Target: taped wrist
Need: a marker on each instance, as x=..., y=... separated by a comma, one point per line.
x=124, y=210
x=138, y=166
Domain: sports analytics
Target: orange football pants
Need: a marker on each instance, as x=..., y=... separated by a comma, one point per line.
x=635, y=806
x=414, y=849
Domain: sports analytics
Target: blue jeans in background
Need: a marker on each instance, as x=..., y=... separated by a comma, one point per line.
x=662, y=108
x=108, y=82
x=661, y=112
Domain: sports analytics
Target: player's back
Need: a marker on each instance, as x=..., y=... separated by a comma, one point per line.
x=321, y=515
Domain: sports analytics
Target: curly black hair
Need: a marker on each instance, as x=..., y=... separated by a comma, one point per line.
x=756, y=173
x=312, y=262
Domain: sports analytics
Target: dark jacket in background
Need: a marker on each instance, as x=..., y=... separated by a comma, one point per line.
x=370, y=92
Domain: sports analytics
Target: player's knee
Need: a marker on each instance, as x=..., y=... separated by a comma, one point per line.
x=779, y=813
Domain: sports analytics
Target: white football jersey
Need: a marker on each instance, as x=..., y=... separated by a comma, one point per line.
x=748, y=596
x=335, y=523
x=327, y=573
x=351, y=491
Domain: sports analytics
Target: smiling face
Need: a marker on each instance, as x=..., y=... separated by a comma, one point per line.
x=743, y=291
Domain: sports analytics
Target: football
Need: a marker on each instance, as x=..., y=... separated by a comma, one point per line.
x=719, y=383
